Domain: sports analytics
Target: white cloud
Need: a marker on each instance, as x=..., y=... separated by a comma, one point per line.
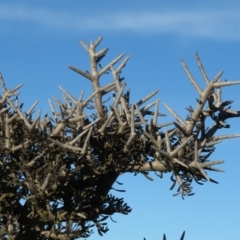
x=210, y=24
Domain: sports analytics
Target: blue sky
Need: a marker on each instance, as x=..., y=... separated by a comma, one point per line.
x=38, y=39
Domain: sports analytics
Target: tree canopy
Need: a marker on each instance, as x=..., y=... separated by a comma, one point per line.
x=57, y=171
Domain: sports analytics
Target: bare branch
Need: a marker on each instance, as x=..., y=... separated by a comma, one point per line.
x=81, y=72
x=192, y=80
x=106, y=68
x=202, y=69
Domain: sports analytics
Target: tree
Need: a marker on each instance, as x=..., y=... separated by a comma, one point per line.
x=164, y=236
x=56, y=172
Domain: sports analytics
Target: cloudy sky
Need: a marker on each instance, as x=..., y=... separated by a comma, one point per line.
x=39, y=39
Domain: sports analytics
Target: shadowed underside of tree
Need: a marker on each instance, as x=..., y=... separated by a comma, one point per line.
x=57, y=171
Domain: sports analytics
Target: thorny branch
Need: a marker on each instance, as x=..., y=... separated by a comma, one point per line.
x=56, y=173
